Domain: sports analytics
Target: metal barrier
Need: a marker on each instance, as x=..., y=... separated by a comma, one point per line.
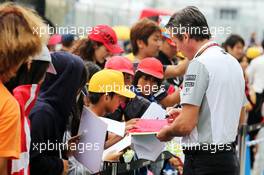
x=113, y=168
x=243, y=131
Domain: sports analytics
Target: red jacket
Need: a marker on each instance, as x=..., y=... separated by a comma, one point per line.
x=26, y=96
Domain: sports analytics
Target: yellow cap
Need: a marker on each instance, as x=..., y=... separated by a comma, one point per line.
x=131, y=57
x=108, y=80
x=253, y=52
x=122, y=32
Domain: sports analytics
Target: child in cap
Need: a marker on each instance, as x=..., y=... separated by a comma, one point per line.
x=106, y=92
x=100, y=43
x=148, y=83
x=18, y=44
x=130, y=108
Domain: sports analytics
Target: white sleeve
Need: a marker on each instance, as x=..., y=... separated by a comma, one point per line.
x=250, y=71
x=195, y=84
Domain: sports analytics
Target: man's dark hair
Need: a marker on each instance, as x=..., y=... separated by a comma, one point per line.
x=142, y=31
x=191, y=21
x=232, y=40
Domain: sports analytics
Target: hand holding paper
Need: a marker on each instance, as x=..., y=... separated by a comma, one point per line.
x=72, y=142
x=118, y=147
x=172, y=114
x=91, y=144
x=163, y=136
x=113, y=156
x=131, y=124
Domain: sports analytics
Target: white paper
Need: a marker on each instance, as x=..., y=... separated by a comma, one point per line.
x=154, y=111
x=91, y=144
x=147, y=146
x=114, y=126
x=119, y=146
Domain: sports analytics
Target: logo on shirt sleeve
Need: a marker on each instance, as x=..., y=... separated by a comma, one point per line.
x=189, y=84
x=190, y=77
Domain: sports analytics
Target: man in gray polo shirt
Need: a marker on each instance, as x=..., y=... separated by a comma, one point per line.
x=212, y=97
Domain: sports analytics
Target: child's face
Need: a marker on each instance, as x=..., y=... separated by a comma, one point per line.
x=101, y=53
x=237, y=51
x=113, y=103
x=153, y=46
x=128, y=79
x=147, y=85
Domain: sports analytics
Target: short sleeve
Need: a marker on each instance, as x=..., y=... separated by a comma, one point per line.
x=10, y=129
x=195, y=84
x=245, y=100
x=250, y=72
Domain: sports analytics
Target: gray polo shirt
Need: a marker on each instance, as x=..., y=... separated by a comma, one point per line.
x=215, y=82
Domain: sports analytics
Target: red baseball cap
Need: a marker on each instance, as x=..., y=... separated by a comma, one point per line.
x=106, y=35
x=121, y=64
x=151, y=66
x=54, y=39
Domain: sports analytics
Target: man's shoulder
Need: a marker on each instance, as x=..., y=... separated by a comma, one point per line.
x=213, y=52
x=259, y=59
x=217, y=56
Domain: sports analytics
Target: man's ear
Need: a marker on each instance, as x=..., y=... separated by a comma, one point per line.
x=140, y=44
x=186, y=37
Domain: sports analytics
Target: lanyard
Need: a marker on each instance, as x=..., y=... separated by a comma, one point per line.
x=208, y=46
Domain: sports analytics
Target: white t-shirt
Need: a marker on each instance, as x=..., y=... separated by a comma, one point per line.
x=215, y=82
x=255, y=72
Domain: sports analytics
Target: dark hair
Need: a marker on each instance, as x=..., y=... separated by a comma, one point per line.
x=142, y=31
x=28, y=76
x=95, y=97
x=84, y=48
x=190, y=19
x=77, y=107
x=139, y=74
x=67, y=40
x=232, y=40
x=91, y=69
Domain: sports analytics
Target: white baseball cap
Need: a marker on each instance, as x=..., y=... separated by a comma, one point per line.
x=45, y=56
